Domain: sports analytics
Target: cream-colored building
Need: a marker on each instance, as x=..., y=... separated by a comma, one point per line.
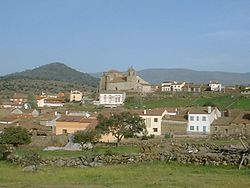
x=116, y=81
x=71, y=124
x=153, y=119
x=75, y=96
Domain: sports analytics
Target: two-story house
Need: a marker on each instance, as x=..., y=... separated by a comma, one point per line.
x=153, y=119
x=200, y=119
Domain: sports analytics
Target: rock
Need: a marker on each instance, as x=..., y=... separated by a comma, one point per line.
x=94, y=164
x=162, y=158
x=59, y=163
x=31, y=168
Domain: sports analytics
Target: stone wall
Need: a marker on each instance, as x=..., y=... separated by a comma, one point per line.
x=203, y=154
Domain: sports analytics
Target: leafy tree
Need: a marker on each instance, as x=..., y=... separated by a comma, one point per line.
x=32, y=101
x=83, y=137
x=121, y=125
x=15, y=135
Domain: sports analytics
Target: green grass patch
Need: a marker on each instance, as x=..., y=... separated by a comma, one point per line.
x=155, y=174
x=242, y=103
x=157, y=100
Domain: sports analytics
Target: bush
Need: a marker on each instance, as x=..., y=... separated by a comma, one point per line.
x=167, y=135
x=15, y=135
x=31, y=158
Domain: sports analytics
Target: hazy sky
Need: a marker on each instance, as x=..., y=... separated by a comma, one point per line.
x=97, y=35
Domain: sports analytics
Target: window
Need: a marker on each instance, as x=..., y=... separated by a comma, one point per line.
x=215, y=128
x=197, y=128
x=191, y=118
x=155, y=130
x=155, y=119
x=204, y=118
x=197, y=118
x=191, y=128
x=64, y=131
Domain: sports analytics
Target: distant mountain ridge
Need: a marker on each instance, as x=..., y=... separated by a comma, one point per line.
x=155, y=76
x=57, y=72
x=226, y=78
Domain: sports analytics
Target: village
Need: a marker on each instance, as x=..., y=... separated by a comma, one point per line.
x=46, y=115
x=118, y=94
x=124, y=124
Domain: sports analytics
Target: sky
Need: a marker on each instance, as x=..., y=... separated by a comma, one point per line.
x=98, y=35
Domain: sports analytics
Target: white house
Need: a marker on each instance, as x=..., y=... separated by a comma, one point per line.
x=172, y=86
x=200, y=119
x=166, y=86
x=112, y=98
x=215, y=86
x=49, y=102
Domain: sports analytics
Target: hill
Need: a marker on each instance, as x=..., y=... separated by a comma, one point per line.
x=160, y=75
x=226, y=78
x=51, y=77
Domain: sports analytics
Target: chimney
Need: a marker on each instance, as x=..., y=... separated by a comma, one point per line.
x=228, y=113
x=144, y=111
x=209, y=109
x=66, y=112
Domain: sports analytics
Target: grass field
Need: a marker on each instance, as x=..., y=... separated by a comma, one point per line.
x=223, y=101
x=155, y=174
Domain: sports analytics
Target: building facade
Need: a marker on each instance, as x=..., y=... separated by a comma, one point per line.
x=215, y=86
x=112, y=98
x=172, y=86
x=116, y=81
x=75, y=96
x=200, y=119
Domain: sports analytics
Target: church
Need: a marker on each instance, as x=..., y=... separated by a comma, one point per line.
x=114, y=80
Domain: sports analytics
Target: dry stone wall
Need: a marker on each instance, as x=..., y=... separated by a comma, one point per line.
x=202, y=154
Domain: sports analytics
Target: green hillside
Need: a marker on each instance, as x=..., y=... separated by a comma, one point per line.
x=52, y=77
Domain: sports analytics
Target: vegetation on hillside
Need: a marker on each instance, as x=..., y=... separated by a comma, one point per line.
x=54, y=77
x=26, y=85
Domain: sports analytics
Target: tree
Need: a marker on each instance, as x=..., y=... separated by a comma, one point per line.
x=83, y=137
x=32, y=101
x=15, y=135
x=121, y=125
